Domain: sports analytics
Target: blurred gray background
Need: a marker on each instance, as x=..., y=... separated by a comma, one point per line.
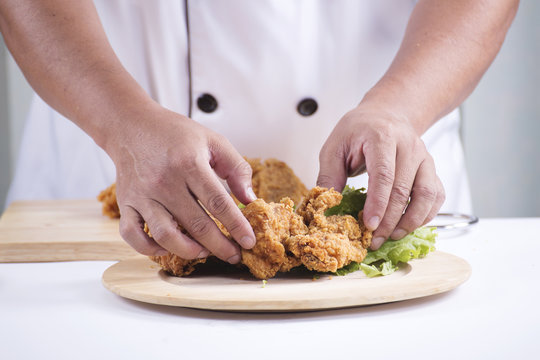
x=501, y=123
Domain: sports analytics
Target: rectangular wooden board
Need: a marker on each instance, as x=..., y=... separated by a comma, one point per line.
x=60, y=230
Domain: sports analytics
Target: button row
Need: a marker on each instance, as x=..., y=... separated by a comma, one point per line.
x=208, y=104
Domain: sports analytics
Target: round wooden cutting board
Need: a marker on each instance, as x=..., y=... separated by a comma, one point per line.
x=143, y=280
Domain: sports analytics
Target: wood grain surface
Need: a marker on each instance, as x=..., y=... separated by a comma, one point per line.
x=59, y=230
x=142, y=280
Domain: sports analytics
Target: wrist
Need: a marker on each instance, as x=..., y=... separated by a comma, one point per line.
x=400, y=102
x=111, y=118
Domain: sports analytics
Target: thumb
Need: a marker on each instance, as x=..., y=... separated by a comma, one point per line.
x=332, y=172
x=232, y=167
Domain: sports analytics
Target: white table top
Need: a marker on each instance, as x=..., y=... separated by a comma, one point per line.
x=62, y=311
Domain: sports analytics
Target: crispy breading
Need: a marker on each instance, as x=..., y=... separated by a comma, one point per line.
x=333, y=241
x=367, y=235
x=273, y=180
x=317, y=201
x=325, y=251
x=272, y=224
x=109, y=204
x=175, y=265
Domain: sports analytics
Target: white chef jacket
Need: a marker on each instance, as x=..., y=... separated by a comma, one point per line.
x=258, y=60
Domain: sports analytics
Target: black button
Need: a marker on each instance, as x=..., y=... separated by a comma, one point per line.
x=207, y=103
x=307, y=107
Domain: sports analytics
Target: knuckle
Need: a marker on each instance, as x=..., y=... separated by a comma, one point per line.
x=441, y=196
x=420, y=147
x=135, y=238
x=157, y=179
x=427, y=193
x=219, y=204
x=235, y=225
x=412, y=222
x=163, y=233
x=383, y=132
x=243, y=169
x=330, y=152
x=220, y=140
x=127, y=230
x=400, y=193
x=200, y=227
x=384, y=175
x=144, y=248
x=324, y=180
x=189, y=164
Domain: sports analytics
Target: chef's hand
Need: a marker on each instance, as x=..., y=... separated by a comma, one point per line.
x=166, y=164
x=397, y=163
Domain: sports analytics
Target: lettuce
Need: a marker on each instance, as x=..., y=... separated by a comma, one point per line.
x=386, y=268
x=385, y=260
x=353, y=201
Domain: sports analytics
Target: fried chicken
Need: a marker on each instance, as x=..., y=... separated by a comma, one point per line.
x=273, y=180
x=272, y=224
x=175, y=265
x=109, y=205
x=325, y=252
x=332, y=241
x=285, y=238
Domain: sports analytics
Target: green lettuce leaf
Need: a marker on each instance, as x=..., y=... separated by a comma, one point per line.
x=353, y=201
x=385, y=268
x=415, y=245
x=385, y=260
x=347, y=269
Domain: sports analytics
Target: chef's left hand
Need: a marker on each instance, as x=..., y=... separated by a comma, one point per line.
x=398, y=166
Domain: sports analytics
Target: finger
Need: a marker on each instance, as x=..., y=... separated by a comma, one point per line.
x=221, y=205
x=439, y=201
x=132, y=231
x=407, y=165
x=203, y=229
x=423, y=198
x=380, y=165
x=332, y=170
x=230, y=166
x=164, y=229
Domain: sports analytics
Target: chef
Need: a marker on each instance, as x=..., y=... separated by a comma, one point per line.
x=165, y=97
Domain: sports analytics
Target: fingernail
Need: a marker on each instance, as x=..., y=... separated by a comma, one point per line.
x=377, y=242
x=248, y=242
x=204, y=253
x=373, y=223
x=251, y=194
x=161, y=252
x=235, y=259
x=398, y=234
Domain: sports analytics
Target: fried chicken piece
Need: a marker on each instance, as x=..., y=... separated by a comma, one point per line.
x=108, y=199
x=325, y=251
x=272, y=224
x=175, y=265
x=367, y=235
x=273, y=180
x=316, y=202
x=332, y=241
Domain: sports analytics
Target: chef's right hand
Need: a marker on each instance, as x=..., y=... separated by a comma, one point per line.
x=167, y=166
